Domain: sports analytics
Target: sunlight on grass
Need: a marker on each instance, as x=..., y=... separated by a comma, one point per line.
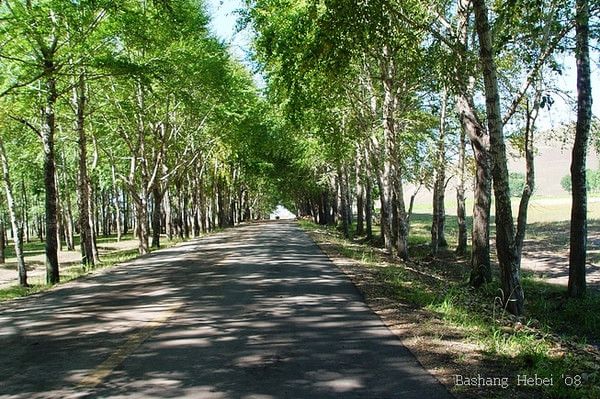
x=73, y=272
x=528, y=343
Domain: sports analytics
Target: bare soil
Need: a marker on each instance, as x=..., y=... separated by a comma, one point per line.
x=36, y=269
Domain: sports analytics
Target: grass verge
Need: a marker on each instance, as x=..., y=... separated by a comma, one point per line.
x=73, y=272
x=551, y=341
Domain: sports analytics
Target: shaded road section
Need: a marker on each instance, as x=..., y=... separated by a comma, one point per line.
x=255, y=312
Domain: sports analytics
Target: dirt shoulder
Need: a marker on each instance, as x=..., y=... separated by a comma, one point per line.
x=447, y=350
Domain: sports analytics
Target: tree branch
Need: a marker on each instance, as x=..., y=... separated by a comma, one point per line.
x=26, y=123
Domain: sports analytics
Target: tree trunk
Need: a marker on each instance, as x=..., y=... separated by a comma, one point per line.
x=25, y=211
x=104, y=212
x=40, y=228
x=220, y=203
x=402, y=226
x=348, y=191
x=68, y=214
x=461, y=247
x=386, y=181
x=531, y=116
x=59, y=215
x=508, y=258
x=360, y=207
x=2, y=241
x=578, y=239
x=83, y=194
x=343, y=202
x=203, y=207
x=369, y=206
x=47, y=132
x=17, y=229
x=157, y=198
x=481, y=271
x=438, y=238
x=141, y=213
x=168, y=215
x=125, y=212
x=195, y=207
x=323, y=209
x=116, y=203
x=93, y=220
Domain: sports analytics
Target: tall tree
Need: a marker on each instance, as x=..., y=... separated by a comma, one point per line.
x=508, y=257
x=17, y=226
x=578, y=237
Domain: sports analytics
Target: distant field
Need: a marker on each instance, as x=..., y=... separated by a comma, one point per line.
x=541, y=209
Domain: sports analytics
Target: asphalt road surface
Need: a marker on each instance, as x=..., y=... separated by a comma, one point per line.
x=254, y=312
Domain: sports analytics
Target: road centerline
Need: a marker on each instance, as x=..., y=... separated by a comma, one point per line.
x=133, y=342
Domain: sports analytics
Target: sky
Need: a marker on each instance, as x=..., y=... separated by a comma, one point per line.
x=223, y=24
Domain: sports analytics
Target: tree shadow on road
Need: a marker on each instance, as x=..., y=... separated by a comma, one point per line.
x=260, y=313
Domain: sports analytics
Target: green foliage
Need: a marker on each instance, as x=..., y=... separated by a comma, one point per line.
x=592, y=181
x=565, y=183
x=516, y=183
x=474, y=317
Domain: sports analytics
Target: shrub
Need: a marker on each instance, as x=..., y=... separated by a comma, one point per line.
x=516, y=183
x=565, y=183
x=592, y=178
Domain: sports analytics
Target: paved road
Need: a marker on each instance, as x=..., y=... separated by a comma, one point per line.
x=255, y=312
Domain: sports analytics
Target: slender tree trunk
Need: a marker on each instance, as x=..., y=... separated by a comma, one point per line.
x=334, y=201
x=530, y=176
x=2, y=241
x=461, y=217
x=195, y=207
x=47, y=132
x=214, y=200
x=349, y=202
x=220, y=203
x=125, y=212
x=184, y=215
x=360, y=207
x=343, y=202
x=156, y=217
x=168, y=216
x=116, y=203
x=323, y=209
x=59, y=215
x=203, y=206
x=411, y=205
x=369, y=206
x=508, y=258
x=68, y=220
x=141, y=210
x=387, y=180
x=25, y=211
x=104, y=212
x=578, y=239
x=17, y=229
x=83, y=194
x=40, y=228
x=438, y=238
x=93, y=220
x=481, y=271
x=402, y=225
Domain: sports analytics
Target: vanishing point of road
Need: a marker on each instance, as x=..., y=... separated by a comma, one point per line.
x=253, y=312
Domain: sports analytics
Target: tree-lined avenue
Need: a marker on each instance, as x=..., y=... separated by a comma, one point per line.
x=256, y=311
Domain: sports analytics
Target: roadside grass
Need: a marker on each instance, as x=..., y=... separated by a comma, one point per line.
x=37, y=247
x=70, y=272
x=550, y=340
x=540, y=209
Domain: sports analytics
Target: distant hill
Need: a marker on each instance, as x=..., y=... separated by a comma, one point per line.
x=552, y=162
